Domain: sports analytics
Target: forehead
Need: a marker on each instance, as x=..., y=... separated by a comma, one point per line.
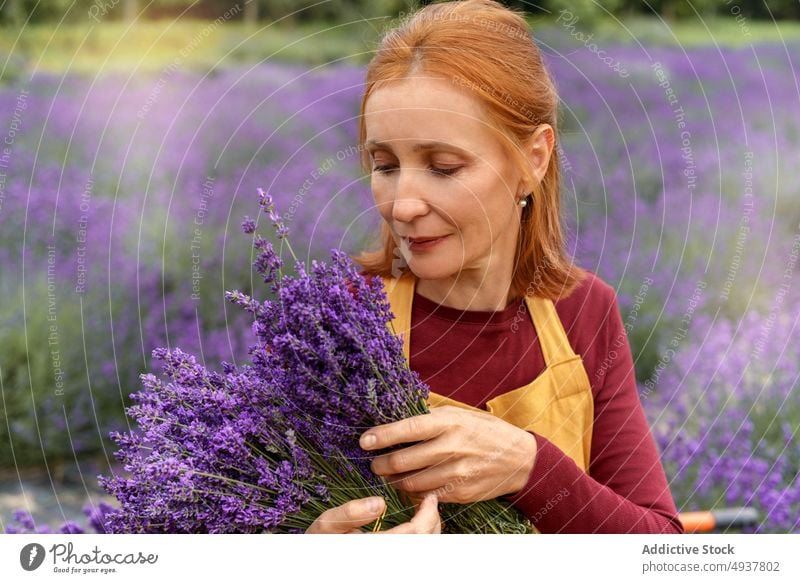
x=426, y=108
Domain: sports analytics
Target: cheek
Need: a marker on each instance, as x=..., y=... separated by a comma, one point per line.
x=382, y=198
x=474, y=212
x=484, y=216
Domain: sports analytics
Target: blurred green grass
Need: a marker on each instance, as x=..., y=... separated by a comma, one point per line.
x=203, y=45
x=724, y=31
x=196, y=44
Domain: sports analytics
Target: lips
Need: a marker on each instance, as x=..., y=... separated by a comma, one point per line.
x=423, y=239
x=423, y=243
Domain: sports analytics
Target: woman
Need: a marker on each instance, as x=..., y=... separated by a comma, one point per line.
x=533, y=392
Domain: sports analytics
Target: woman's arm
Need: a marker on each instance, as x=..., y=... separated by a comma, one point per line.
x=625, y=490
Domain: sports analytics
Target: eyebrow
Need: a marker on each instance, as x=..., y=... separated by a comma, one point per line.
x=420, y=147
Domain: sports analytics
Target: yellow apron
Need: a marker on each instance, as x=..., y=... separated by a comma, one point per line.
x=557, y=404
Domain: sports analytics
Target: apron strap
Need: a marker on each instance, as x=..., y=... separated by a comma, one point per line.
x=549, y=329
x=400, y=293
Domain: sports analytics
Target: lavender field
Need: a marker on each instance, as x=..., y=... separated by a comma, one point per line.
x=121, y=198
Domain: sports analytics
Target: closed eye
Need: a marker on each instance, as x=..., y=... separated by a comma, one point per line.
x=383, y=169
x=437, y=171
x=445, y=171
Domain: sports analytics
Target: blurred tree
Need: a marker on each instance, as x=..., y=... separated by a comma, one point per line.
x=14, y=12
x=277, y=9
x=17, y=12
x=683, y=9
x=130, y=10
x=588, y=11
x=251, y=11
x=167, y=8
x=671, y=9
x=335, y=10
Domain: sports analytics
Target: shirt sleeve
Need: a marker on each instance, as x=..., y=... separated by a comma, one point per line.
x=625, y=489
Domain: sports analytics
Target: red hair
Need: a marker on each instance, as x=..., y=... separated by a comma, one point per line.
x=488, y=50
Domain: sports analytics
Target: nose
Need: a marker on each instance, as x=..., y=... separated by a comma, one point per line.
x=409, y=202
x=406, y=209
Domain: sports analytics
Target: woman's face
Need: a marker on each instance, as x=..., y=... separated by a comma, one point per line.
x=439, y=171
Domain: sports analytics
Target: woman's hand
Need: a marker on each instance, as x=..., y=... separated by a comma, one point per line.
x=463, y=456
x=349, y=517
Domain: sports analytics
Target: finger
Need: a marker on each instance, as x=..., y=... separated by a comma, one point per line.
x=441, y=479
x=348, y=516
x=413, y=457
x=427, y=517
x=405, y=528
x=417, y=428
x=425, y=521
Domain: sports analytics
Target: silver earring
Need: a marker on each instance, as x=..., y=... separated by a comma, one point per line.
x=524, y=202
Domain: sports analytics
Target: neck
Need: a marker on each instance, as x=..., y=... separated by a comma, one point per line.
x=465, y=293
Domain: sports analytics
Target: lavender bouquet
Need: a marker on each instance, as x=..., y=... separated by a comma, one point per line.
x=267, y=447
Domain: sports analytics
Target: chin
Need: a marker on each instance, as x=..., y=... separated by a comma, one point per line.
x=433, y=268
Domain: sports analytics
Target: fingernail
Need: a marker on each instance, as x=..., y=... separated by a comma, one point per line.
x=374, y=504
x=368, y=440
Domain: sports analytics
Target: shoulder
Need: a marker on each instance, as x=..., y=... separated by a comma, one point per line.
x=591, y=291
x=588, y=312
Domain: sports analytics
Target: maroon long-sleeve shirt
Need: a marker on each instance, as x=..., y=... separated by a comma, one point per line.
x=474, y=356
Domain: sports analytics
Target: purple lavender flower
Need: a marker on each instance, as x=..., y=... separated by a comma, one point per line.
x=268, y=446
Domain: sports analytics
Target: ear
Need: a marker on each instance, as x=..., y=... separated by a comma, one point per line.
x=538, y=149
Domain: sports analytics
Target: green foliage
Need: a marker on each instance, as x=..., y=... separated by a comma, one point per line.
x=20, y=12
x=83, y=45
x=17, y=12
x=342, y=11
x=591, y=10
x=13, y=69
x=150, y=46
x=587, y=11
x=38, y=403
